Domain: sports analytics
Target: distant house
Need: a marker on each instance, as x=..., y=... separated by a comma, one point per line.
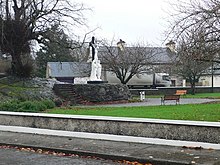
x=68, y=71
x=211, y=76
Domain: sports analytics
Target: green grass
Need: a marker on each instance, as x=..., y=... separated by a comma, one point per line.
x=196, y=112
x=203, y=95
x=15, y=91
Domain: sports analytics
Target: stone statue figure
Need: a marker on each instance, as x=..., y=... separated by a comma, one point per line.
x=93, y=71
x=99, y=70
x=96, y=67
x=92, y=48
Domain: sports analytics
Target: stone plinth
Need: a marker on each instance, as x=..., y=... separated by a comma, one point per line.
x=102, y=92
x=97, y=82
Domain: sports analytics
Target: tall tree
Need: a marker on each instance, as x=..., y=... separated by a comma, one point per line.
x=194, y=56
x=54, y=50
x=197, y=14
x=195, y=26
x=22, y=21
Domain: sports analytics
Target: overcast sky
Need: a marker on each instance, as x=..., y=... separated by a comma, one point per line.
x=129, y=20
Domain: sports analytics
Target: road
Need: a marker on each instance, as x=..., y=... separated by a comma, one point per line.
x=157, y=101
x=11, y=156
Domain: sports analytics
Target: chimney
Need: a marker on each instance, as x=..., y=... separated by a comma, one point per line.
x=121, y=45
x=171, y=46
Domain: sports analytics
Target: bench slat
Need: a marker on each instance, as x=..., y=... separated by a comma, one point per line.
x=181, y=92
x=170, y=97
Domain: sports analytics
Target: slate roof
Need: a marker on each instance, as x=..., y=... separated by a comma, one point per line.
x=160, y=55
x=69, y=69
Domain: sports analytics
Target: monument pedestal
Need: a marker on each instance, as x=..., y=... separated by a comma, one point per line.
x=92, y=93
x=97, y=82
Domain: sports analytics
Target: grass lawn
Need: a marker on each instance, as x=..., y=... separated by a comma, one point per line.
x=196, y=112
x=203, y=95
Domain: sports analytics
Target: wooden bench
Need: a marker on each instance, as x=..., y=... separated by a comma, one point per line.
x=181, y=92
x=170, y=98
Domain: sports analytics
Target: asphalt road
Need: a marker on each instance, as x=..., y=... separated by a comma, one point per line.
x=9, y=156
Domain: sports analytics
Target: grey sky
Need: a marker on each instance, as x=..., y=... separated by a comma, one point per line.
x=132, y=21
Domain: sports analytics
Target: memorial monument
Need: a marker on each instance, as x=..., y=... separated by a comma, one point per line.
x=96, y=67
x=95, y=90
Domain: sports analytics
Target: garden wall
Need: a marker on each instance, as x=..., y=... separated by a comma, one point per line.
x=151, y=128
x=92, y=93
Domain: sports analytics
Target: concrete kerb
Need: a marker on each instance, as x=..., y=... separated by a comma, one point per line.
x=208, y=132
x=108, y=137
x=160, y=154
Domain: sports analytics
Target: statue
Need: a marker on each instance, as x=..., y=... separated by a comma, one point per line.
x=96, y=67
x=93, y=71
x=99, y=70
x=92, y=48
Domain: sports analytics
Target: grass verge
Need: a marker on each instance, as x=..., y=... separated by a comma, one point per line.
x=195, y=112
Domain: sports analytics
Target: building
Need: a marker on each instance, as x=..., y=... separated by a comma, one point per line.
x=211, y=77
x=159, y=59
x=70, y=72
x=79, y=72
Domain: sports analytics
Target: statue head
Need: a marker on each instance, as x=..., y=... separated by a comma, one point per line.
x=93, y=40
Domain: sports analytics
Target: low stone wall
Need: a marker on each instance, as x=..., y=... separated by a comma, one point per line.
x=94, y=93
x=102, y=92
x=151, y=128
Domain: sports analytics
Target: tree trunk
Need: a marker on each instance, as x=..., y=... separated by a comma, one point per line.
x=193, y=88
x=17, y=66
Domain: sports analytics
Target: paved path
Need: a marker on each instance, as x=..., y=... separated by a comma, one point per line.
x=157, y=101
x=11, y=156
x=115, y=150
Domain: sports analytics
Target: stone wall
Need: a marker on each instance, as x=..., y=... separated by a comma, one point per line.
x=151, y=128
x=102, y=92
x=93, y=92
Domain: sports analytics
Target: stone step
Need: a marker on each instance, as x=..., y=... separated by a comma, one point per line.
x=68, y=92
x=94, y=92
x=66, y=88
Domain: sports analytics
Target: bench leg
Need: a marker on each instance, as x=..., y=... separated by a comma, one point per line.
x=162, y=101
x=177, y=102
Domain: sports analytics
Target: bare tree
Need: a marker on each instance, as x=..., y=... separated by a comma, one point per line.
x=197, y=14
x=22, y=21
x=124, y=61
x=194, y=56
x=195, y=26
